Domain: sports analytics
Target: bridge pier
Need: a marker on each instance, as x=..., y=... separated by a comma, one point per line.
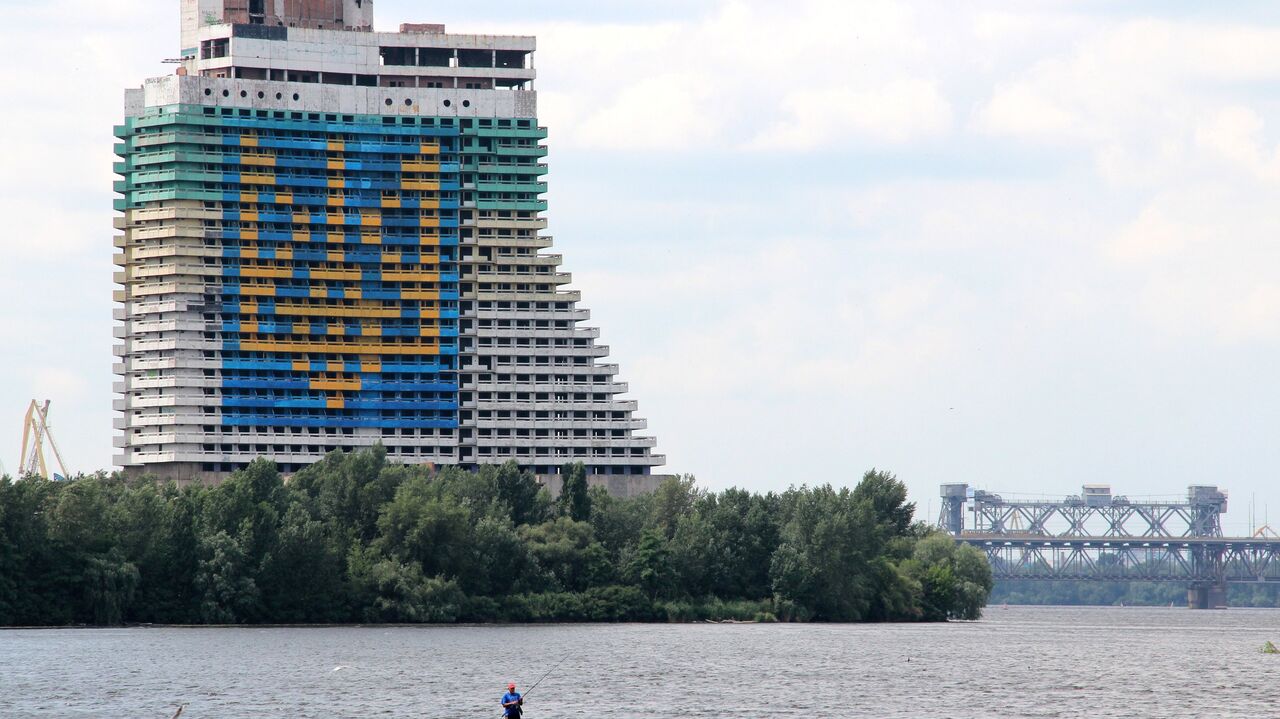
x=1207, y=595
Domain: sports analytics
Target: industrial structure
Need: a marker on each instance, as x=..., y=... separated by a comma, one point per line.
x=35, y=432
x=331, y=237
x=1095, y=536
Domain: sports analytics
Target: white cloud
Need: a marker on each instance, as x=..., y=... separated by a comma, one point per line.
x=1235, y=135
x=896, y=112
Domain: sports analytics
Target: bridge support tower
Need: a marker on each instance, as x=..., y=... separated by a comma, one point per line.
x=1207, y=595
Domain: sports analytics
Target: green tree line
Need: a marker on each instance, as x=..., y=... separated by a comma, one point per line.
x=1150, y=594
x=354, y=538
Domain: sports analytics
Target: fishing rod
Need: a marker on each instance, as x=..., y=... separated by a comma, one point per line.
x=544, y=676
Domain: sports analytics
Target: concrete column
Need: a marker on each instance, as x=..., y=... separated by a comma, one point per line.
x=1207, y=595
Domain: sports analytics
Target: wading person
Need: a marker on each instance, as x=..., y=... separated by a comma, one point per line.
x=512, y=702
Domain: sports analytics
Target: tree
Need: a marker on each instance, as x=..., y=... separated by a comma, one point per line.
x=567, y=549
x=224, y=580
x=525, y=499
x=888, y=498
x=575, y=499
x=823, y=563
x=649, y=566
x=109, y=586
x=955, y=578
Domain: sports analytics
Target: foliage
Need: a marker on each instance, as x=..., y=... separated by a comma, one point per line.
x=356, y=539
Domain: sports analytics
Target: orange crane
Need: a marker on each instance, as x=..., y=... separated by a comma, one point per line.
x=35, y=430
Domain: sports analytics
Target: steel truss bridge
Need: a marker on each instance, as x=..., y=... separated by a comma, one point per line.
x=1095, y=536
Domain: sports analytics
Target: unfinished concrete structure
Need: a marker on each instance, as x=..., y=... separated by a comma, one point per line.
x=331, y=237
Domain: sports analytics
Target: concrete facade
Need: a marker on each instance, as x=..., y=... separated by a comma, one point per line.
x=334, y=237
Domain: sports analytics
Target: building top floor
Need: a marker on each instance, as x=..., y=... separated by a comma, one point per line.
x=320, y=35
x=417, y=56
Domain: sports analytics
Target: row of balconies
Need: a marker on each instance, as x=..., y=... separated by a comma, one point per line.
x=550, y=313
x=617, y=405
x=549, y=295
x=534, y=351
x=548, y=333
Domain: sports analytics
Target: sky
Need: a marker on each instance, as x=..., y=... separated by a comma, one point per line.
x=1023, y=245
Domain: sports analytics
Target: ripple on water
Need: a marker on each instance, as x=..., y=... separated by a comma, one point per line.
x=1020, y=662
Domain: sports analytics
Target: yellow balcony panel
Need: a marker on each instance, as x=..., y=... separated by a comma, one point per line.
x=370, y=239
x=429, y=148
x=264, y=272
x=419, y=166
x=248, y=234
x=420, y=294
x=331, y=311
x=337, y=146
x=335, y=201
x=334, y=218
x=368, y=220
x=335, y=274
x=336, y=256
x=285, y=254
x=336, y=164
x=413, y=276
x=336, y=385
x=248, y=141
x=424, y=185
x=248, y=197
x=429, y=332
x=335, y=183
x=300, y=236
x=429, y=222
x=249, y=253
x=353, y=295
x=390, y=203
x=284, y=198
x=370, y=331
x=370, y=366
x=248, y=216
x=258, y=290
x=318, y=293
x=390, y=257
x=301, y=218
x=301, y=365
x=249, y=307
x=248, y=326
x=335, y=403
x=258, y=160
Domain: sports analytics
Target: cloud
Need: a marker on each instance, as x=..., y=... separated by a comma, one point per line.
x=751, y=76
x=1235, y=135
x=896, y=112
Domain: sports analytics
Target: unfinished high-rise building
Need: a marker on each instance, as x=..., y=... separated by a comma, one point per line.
x=332, y=237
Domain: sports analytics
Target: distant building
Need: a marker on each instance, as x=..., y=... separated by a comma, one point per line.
x=331, y=237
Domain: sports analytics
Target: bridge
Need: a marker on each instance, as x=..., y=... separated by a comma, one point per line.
x=1095, y=536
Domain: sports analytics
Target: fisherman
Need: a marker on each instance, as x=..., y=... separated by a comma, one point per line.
x=512, y=702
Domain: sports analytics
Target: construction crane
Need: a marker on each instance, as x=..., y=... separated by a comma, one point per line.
x=35, y=430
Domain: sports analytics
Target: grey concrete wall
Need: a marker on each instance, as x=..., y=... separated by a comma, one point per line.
x=617, y=485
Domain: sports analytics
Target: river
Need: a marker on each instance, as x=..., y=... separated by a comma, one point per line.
x=1016, y=662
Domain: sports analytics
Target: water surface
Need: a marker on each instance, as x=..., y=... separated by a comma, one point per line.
x=1017, y=662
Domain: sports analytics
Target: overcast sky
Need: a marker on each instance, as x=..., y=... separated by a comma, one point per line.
x=1023, y=245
